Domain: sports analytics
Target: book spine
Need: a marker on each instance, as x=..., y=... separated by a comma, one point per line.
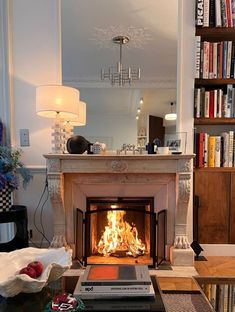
x=206, y=9
x=223, y=13
x=211, y=149
x=225, y=51
x=205, y=146
x=207, y=104
x=115, y=289
x=212, y=13
x=233, y=12
x=225, y=137
x=197, y=56
x=215, y=56
x=229, y=100
x=219, y=98
x=230, y=149
x=229, y=58
x=199, y=13
x=217, y=151
x=232, y=60
x=211, y=59
x=206, y=48
x=229, y=13
x=218, y=20
x=197, y=108
x=201, y=150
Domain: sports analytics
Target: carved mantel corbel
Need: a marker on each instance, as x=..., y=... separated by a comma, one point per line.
x=56, y=193
x=184, y=193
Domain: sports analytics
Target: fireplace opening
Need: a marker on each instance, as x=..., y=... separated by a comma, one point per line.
x=119, y=230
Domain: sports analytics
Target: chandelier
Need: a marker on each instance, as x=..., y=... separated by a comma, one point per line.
x=119, y=75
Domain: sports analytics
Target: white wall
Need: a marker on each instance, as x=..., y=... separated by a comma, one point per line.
x=36, y=60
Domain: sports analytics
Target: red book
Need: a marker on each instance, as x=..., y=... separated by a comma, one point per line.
x=229, y=13
x=201, y=150
x=211, y=104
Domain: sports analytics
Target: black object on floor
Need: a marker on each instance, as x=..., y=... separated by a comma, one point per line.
x=18, y=215
x=200, y=258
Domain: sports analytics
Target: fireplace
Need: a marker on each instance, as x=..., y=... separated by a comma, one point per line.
x=72, y=179
x=120, y=230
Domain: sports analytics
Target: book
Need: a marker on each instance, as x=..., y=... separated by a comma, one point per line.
x=199, y=13
x=217, y=151
x=197, y=56
x=116, y=275
x=229, y=13
x=218, y=20
x=211, y=151
x=225, y=137
x=206, y=9
x=111, y=295
x=224, y=13
x=230, y=148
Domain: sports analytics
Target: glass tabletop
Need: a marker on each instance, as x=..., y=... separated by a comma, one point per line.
x=37, y=302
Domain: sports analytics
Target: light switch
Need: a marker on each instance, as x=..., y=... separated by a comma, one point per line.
x=24, y=137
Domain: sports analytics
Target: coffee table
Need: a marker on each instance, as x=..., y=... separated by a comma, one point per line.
x=37, y=302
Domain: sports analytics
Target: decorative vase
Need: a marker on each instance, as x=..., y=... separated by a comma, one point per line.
x=5, y=199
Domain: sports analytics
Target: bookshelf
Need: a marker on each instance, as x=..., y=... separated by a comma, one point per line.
x=214, y=115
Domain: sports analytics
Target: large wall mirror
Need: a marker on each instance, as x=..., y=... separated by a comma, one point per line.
x=87, y=47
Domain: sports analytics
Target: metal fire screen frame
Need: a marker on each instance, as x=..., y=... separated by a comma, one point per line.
x=158, y=227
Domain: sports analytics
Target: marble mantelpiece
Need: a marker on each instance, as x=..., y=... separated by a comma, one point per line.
x=71, y=176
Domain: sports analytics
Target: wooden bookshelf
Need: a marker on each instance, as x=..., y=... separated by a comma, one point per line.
x=215, y=33
x=213, y=82
x=214, y=121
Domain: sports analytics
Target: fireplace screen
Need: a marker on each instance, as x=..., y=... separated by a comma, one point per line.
x=117, y=230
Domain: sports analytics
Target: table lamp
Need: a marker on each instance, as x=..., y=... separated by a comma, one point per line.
x=79, y=120
x=58, y=102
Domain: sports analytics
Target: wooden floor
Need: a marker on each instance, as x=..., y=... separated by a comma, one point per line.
x=214, y=267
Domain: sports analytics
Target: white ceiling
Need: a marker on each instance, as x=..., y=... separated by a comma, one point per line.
x=88, y=27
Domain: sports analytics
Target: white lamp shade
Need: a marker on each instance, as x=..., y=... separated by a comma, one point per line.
x=54, y=99
x=80, y=120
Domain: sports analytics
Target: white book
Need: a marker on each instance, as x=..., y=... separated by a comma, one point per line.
x=218, y=21
x=197, y=56
x=206, y=9
x=215, y=103
x=217, y=151
x=219, y=101
x=230, y=148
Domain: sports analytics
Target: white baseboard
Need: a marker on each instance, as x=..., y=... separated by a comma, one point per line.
x=218, y=250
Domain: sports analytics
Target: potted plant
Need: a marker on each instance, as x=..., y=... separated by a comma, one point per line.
x=11, y=171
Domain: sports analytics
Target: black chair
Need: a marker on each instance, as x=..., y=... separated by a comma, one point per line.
x=18, y=215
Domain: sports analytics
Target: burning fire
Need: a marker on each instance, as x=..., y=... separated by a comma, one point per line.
x=120, y=237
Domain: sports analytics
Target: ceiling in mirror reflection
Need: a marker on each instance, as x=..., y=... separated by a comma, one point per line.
x=87, y=31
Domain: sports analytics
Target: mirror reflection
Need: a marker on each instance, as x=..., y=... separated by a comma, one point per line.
x=87, y=47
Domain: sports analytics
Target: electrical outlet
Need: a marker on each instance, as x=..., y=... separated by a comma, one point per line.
x=24, y=137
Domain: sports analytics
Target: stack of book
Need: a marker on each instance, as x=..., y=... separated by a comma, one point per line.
x=114, y=281
x=215, y=150
x=216, y=103
x=215, y=13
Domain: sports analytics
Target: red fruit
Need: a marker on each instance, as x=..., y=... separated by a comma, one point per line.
x=28, y=271
x=37, y=266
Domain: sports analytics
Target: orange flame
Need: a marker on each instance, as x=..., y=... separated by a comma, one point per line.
x=120, y=236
